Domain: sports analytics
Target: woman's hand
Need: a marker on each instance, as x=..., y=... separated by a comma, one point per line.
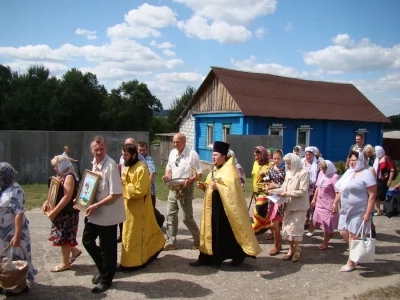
x=45, y=207
x=52, y=215
x=271, y=185
x=283, y=194
x=313, y=202
x=15, y=241
x=366, y=217
x=334, y=207
x=389, y=183
x=201, y=185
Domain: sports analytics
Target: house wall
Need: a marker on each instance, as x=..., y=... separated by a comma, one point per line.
x=332, y=138
x=187, y=127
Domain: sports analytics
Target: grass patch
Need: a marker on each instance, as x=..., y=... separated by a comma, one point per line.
x=390, y=292
x=36, y=194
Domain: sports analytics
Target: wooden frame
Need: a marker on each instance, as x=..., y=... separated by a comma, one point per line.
x=87, y=190
x=54, y=187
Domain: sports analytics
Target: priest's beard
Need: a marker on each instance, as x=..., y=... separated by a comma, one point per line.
x=130, y=162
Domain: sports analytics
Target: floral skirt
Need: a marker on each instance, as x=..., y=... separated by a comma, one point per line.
x=261, y=222
x=64, y=229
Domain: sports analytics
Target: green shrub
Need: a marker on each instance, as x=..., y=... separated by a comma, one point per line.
x=340, y=167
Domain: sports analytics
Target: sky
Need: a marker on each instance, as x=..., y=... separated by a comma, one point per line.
x=170, y=44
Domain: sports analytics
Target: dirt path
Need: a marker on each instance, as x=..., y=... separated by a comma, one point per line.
x=316, y=276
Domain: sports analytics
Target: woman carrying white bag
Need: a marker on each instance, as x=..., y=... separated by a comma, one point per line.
x=356, y=193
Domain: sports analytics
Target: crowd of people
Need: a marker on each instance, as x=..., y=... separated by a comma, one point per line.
x=294, y=194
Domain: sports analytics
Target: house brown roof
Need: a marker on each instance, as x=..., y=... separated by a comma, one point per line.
x=266, y=95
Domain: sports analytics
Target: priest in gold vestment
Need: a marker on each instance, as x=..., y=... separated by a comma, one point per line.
x=142, y=238
x=225, y=231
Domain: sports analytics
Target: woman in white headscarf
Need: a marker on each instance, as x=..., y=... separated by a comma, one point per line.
x=384, y=170
x=356, y=193
x=312, y=165
x=294, y=188
x=63, y=216
x=297, y=150
x=323, y=200
x=240, y=169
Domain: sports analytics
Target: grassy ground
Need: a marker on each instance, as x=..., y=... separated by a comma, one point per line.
x=36, y=194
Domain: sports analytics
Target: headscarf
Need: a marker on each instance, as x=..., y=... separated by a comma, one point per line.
x=264, y=155
x=64, y=165
x=295, y=164
x=232, y=154
x=272, y=149
x=314, y=164
x=7, y=175
x=379, y=154
x=341, y=185
x=282, y=164
x=330, y=171
x=300, y=149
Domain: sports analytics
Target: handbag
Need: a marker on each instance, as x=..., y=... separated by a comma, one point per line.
x=362, y=250
x=391, y=207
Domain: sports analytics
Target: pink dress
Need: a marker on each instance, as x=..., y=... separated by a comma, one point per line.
x=323, y=216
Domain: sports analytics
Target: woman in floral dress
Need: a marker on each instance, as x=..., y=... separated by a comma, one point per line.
x=276, y=176
x=64, y=217
x=14, y=225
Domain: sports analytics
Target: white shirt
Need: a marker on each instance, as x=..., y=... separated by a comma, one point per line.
x=110, y=184
x=184, y=165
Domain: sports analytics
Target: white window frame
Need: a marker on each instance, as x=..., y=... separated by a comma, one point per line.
x=210, y=138
x=307, y=130
x=225, y=128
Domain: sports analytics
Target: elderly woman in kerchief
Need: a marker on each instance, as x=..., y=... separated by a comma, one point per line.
x=261, y=165
x=312, y=165
x=384, y=170
x=357, y=190
x=14, y=224
x=64, y=217
x=297, y=150
x=323, y=200
x=369, y=155
x=295, y=189
x=240, y=169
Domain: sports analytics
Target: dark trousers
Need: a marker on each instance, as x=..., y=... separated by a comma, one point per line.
x=105, y=255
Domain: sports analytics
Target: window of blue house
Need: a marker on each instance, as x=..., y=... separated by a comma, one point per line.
x=276, y=129
x=210, y=135
x=226, y=129
x=303, y=136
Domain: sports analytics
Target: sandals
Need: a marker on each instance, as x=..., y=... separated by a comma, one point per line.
x=346, y=268
x=58, y=268
x=73, y=258
x=275, y=251
x=296, y=256
x=323, y=247
x=287, y=257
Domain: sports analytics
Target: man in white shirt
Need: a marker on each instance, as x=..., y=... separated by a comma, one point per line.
x=182, y=163
x=103, y=216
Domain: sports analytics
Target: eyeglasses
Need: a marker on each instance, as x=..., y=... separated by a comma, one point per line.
x=177, y=161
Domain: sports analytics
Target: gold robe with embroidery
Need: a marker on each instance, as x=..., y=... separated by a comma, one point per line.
x=142, y=238
x=234, y=202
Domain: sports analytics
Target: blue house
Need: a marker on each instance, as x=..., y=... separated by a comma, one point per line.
x=303, y=112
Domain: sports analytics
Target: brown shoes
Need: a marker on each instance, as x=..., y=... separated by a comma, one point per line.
x=168, y=247
x=275, y=251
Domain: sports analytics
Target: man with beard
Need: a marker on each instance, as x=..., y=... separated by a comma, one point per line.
x=142, y=239
x=225, y=230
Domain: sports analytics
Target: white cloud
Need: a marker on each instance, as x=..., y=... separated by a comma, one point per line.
x=141, y=22
x=163, y=45
x=252, y=65
x=348, y=55
x=288, y=26
x=260, y=32
x=90, y=35
x=168, y=52
x=21, y=66
x=184, y=77
x=231, y=11
x=37, y=53
x=224, y=20
x=198, y=26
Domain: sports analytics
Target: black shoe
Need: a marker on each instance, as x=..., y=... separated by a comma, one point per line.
x=100, y=288
x=10, y=293
x=160, y=221
x=96, y=279
x=119, y=240
x=198, y=263
x=236, y=262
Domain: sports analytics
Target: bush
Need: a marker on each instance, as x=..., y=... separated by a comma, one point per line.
x=340, y=167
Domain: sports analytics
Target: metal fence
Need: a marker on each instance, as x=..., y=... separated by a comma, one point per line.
x=30, y=152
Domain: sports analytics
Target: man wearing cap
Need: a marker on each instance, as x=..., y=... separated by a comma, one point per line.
x=225, y=231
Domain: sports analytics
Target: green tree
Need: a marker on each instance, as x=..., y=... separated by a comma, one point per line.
x=79, y=102
x=178, y=106
x=130, y=107
x=26, y=104
x=5, y=88
x=395, y=125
